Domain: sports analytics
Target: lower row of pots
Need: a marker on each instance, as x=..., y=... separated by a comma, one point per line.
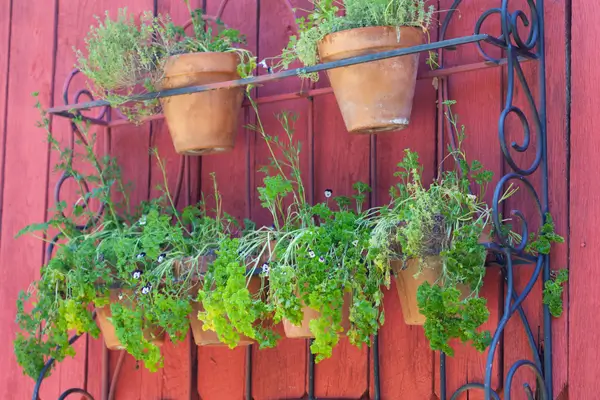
x=409, y=276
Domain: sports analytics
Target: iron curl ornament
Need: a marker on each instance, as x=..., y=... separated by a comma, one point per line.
x=518, y=46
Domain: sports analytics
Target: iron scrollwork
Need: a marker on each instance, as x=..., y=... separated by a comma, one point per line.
x=516, y=48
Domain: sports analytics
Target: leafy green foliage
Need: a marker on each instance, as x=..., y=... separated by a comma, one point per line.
x=443, y=220
x=553, y=291
x=153, y=256
x=320, y=256
x=448, y=316
x=230, y=309
x=546, y=236
x=325, y=18
x=124, y=59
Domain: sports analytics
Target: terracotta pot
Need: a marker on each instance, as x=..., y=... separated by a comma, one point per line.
x=303, y=331
x=408, y=281
x=375, y=96
x=207, y=122
x=154, y=334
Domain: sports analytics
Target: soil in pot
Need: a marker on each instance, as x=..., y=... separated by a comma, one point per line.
x=154, y=334
x=376, y=96
x=303, y=330
x=207, y=122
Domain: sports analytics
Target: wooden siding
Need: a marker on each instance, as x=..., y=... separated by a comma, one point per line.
x=36, y=40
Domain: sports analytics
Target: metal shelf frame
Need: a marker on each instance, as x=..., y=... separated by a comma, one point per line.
x=516, y=50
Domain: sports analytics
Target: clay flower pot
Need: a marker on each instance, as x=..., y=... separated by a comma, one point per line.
x=154, y=334
x=202, y=123
x=303, y=330
x=409, y=279
x=375, y=96
x=411, y=275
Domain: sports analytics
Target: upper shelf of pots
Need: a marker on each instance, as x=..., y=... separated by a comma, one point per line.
x=123, y=59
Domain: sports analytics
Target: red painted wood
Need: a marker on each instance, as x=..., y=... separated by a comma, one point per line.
x=24, y=181
x=130, y=145
x=221, y=371
x=341, y=160
x=556, y=41
x=5, y=25
x=407, y=367
x=584, y=240
x=478, y=106
x=286, y=364
x=406, y=361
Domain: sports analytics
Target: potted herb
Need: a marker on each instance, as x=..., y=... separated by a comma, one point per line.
x=123, y=59
x=321, y=282
x=375, y=96
x=432, y=237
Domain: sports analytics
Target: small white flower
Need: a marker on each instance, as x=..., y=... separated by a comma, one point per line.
x=321, y=259
x=472, y=196
x=355, y=243
x=263, y=63
x=311, y=254
x=266, y=268
x=142, y=221
x=120, y=296
x=137, y=274
x=141, y=255
x=146, y=289
x=161, y=257
x=328, y=193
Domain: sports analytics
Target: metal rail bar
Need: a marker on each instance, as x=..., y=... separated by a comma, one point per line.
x=67, y=110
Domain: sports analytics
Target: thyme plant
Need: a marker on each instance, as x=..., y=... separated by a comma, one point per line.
x=325, y=18
x=124, y=59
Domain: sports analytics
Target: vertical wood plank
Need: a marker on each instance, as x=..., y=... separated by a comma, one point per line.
x=279, y=372
x=286, y=364
x=406, y=360
x=221, y=371
x=130, y=145
x=584, y=242
x=341, y=159
x=29, y=58
x=478, y=107
x=556, y=93
x=5, y=28
x=72, y=25
x=176, y=374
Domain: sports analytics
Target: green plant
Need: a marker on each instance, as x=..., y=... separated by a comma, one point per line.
x=58, y=302
x=320, y=253
x=152, y=258
x=444, y=220
x=325, y=19
x=553, y=291
x=124, y=59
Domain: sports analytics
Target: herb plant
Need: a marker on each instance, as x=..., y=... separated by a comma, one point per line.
x=320, y=253
x=445, y=220
x=124, y=59
x=143, y=264
x=553, y=291
x=325, y=18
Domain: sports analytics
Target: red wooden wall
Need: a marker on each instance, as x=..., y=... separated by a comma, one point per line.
x=36, y=40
